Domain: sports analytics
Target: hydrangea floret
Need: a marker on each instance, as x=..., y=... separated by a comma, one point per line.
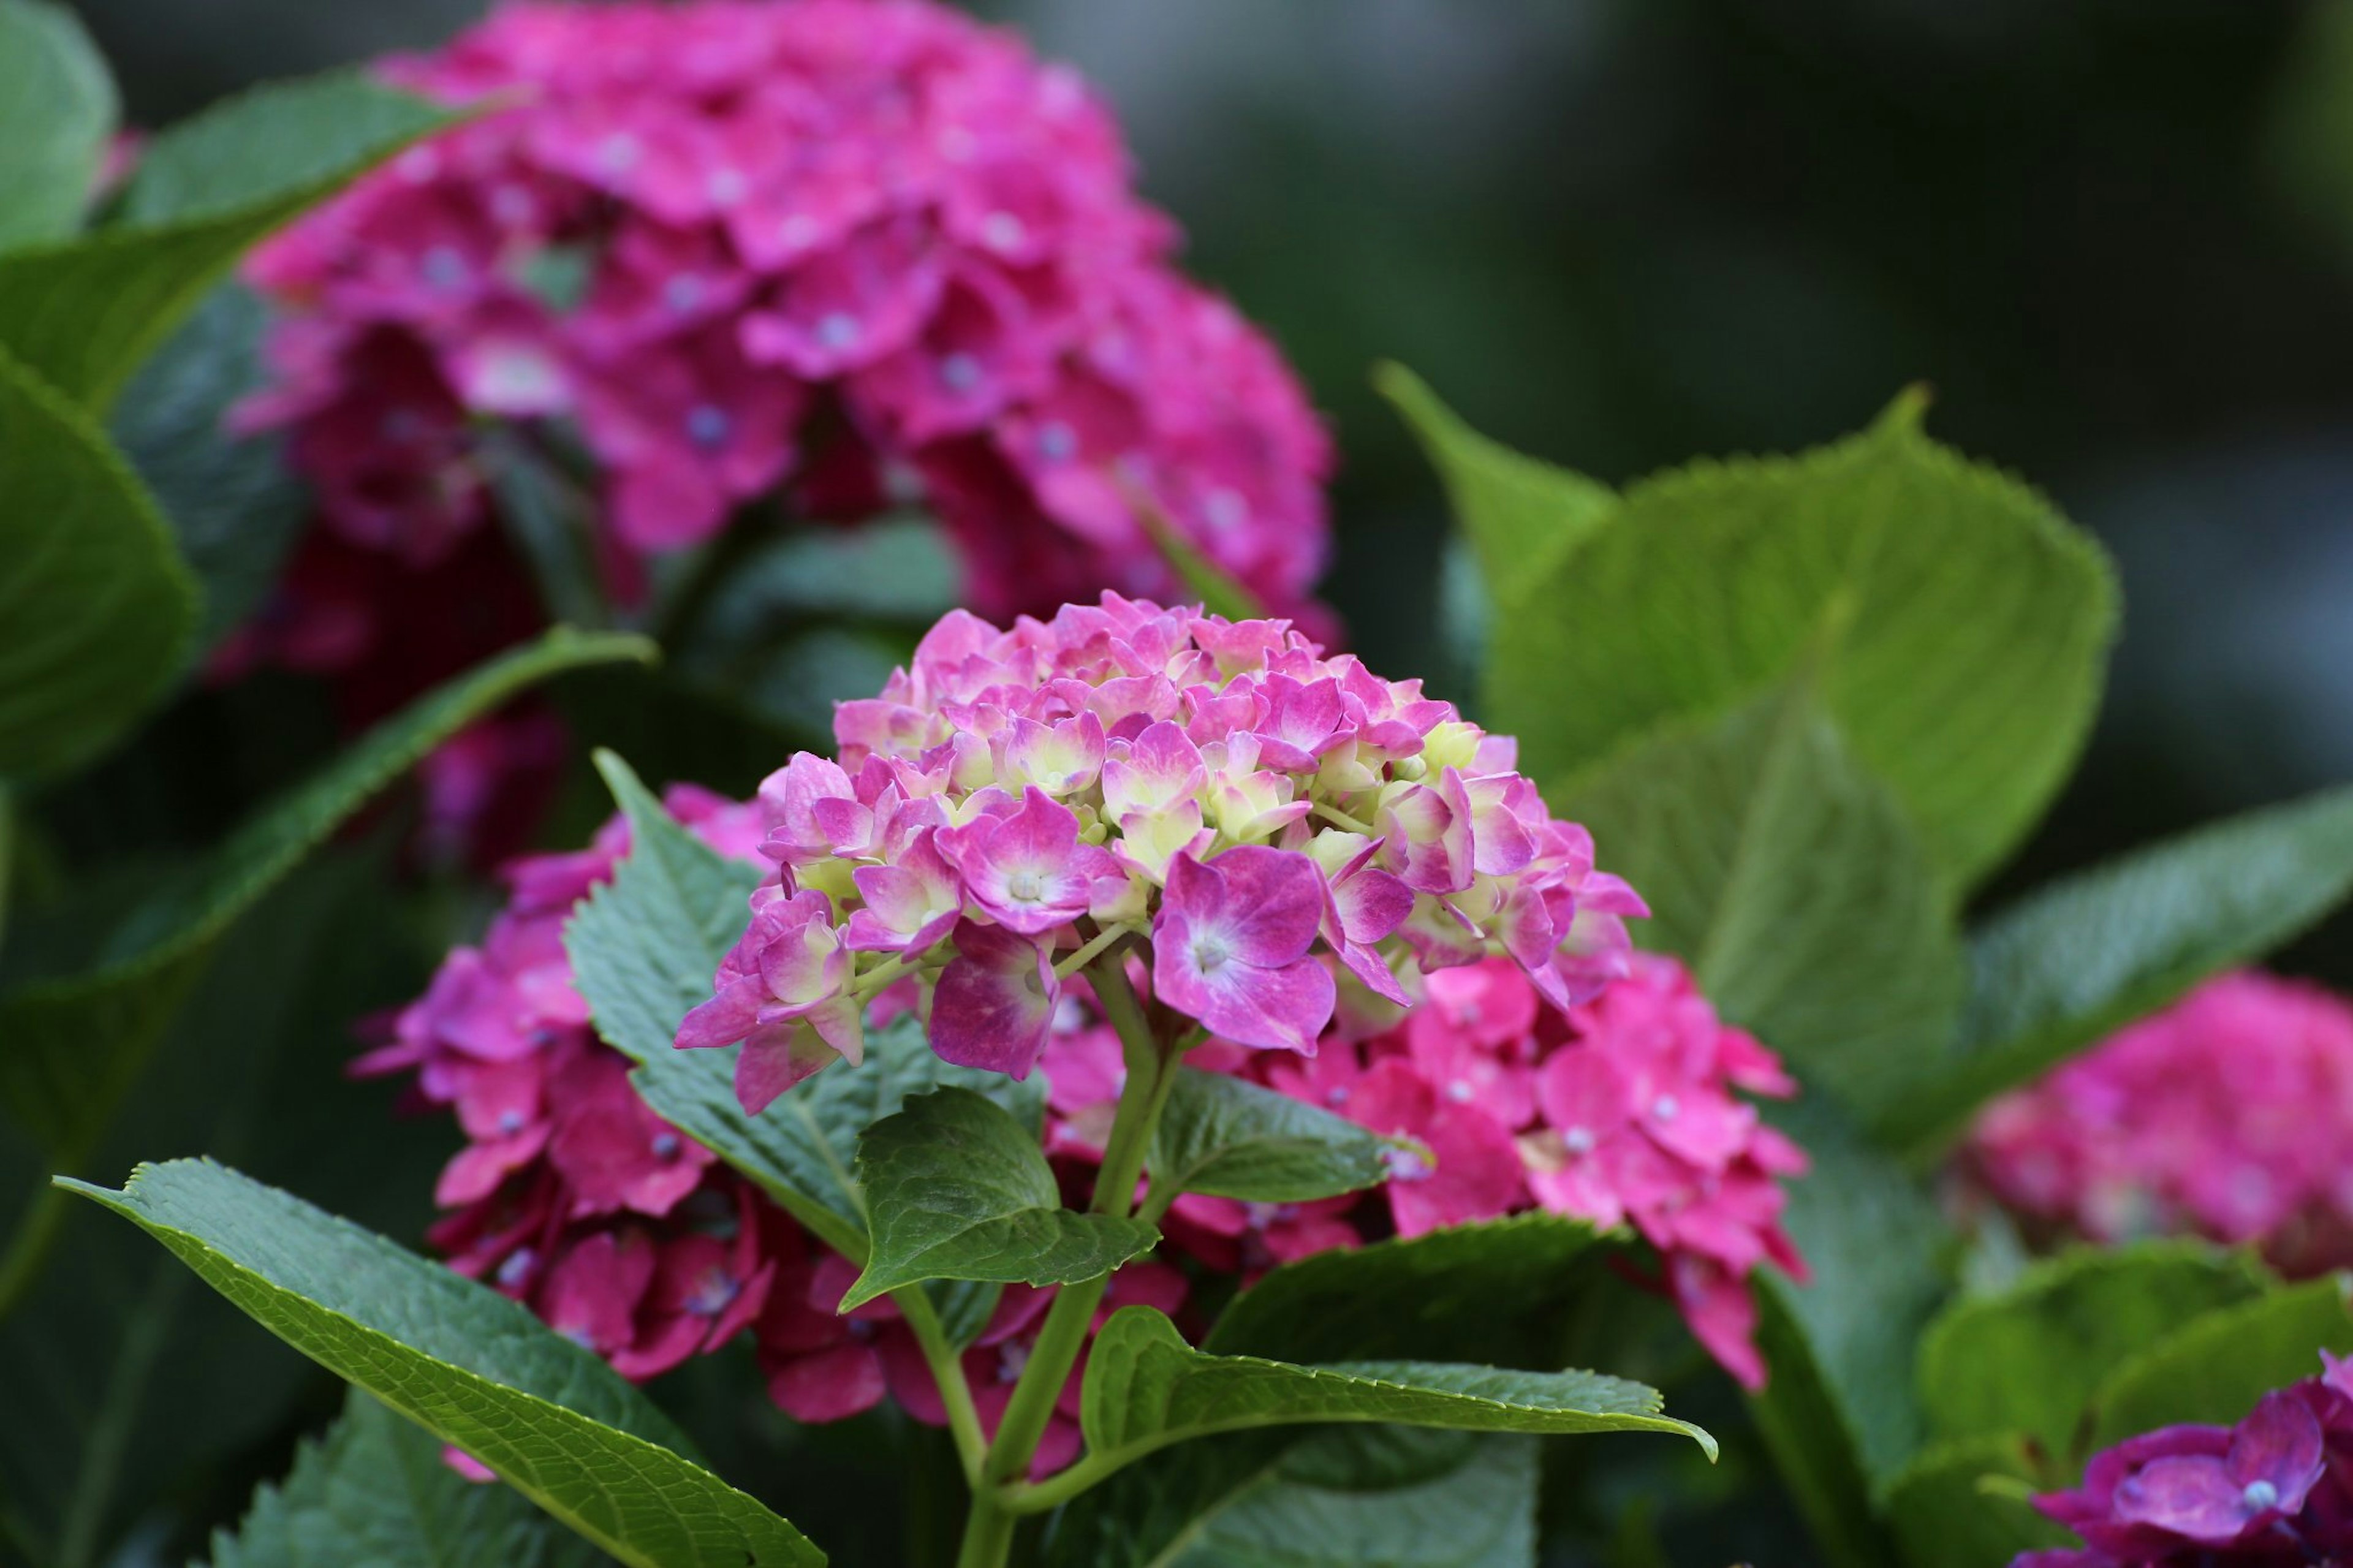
x=2277, y=1488
x=1220, y=796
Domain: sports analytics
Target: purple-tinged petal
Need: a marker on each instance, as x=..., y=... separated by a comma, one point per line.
x=994, y=1005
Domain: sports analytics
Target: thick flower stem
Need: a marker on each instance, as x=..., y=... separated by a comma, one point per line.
x=947, y=1371
x=1151, y=1073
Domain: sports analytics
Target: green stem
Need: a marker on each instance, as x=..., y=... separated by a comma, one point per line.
x=1333, y=815
x=923, y=1320
x=1056, y=1490
x=1094, y=949
x=1151, y=1073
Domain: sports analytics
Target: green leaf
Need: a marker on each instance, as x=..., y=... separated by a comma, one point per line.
x=1838, y=1415
x=2081, y=957
x=374, y=1490
x=958, y=1189
x=1229, y=1138
x=2216, y=1368
x=1965, y=1505
x=1146, y=1388
x=1523, y=517
x=1959, y=626
x=232, y=502
x=1789, y=882
x=1369, y=1497
x=2028, y=1359
x=77, y=1040
x=469, y=1365
x=57, y=110
x=1500, y=1290
x=644, y=948
x=897, y=568
x=1218, y=590
x=84, y=313
x=96, y=604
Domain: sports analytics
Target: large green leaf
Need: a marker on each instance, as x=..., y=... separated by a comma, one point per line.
x=2218, y=1366
x=471, y=1366
x=2082, y=956
x=957, y=1188
x=1965, y=1505
x=1146, y=1388
x=643, y=949
x=2028, y=1359
x=57, y=110
x=96, y=606
x=1958, y=623
x=374, y=1490
x=85, y=312
x=1501, y=1291
x=1789, y=882
x=76, y=1039
x=1523, y=517
x=1234, y=1139
x=232, y=502
x=1838, y=1415
x=1369, y=1497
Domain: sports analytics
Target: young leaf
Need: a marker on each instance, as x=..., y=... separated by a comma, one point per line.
x=1146, y=1388
x=1523, y=517
x=958, y=1189
x=374, y=1489
x=1218, y=590
x=96, y=606
x=1499, y=1291
x=643, y=949
x=469, y=1365
x=76, y=1039
x=1229, y=1138
x=1789, y=882
x=1959, y=622
x=57, y=109
x=84, y=313
x=2027, y=1360
x=1964, y=1505
x=2086, y=955
x=2215, y=1369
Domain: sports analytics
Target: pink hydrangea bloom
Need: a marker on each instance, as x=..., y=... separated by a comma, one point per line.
x=1254, y=815
x=2277, y=1488
x=2227, y=1115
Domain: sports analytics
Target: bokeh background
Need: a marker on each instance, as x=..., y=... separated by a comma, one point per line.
x=2115, y=236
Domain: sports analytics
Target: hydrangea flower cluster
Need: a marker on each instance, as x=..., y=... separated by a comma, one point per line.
x=2277, y=1488
x=868, y=248
x=1264, y=816
x=2228, y=1115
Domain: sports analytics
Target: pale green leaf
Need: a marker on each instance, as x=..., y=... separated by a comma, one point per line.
x=1146, y=1388
x=374, y=1490
x=2082, y=956
x=96, y=606
x=2215, y=1369
x=57, y=110
x=1230, y=1139
x=465, y=1362
x=957, y=1188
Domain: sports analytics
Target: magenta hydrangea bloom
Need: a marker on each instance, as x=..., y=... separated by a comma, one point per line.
x=2277, y=1488
x=1255, y=815
x=2228, y=1115
x=862, y=251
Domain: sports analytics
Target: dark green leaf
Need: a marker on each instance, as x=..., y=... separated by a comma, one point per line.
x=1146, y=1388
x=96, y=606
x=1234, y=1139
x=232, y=502
x=2216, y=1368
x=959, y=1189
x=2028, y=1359
x=1964, y=1505
x=85, y=312
x=77, y=1040
x=374, y=1490
x=897, y=568
x=1958, y=626
x=2084, y=956
x=57, y=110
x=472, y=1367
x=1789, y=881
x=1501, y=1291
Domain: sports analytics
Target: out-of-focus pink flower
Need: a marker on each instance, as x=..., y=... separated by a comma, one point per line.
x=2228, y=1115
